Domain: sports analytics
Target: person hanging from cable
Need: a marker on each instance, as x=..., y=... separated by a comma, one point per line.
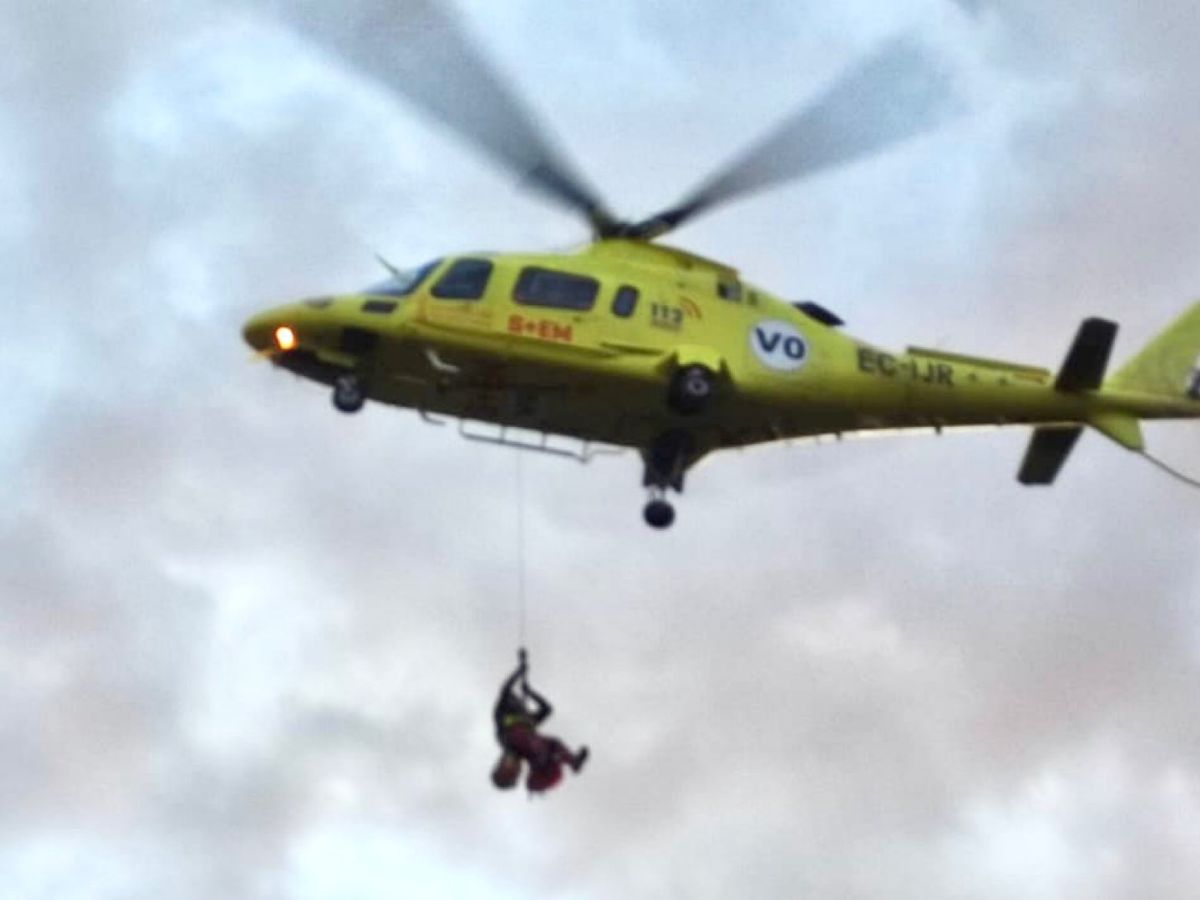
x=517, y=714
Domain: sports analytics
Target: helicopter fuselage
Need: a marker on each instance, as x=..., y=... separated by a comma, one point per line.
x=585, y=346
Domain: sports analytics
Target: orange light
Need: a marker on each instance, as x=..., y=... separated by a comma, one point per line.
x=285, y=337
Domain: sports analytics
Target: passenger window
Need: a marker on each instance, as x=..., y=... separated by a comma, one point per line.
x=542, y=287
x=466, y=279
x=730, y=290
x=625, y=302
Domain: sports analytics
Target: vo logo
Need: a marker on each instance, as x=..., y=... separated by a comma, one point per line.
x=778, y=345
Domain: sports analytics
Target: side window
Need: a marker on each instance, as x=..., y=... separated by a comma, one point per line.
x=466, y=279
x=625, y=302
x=730, y=290
x=542, y=287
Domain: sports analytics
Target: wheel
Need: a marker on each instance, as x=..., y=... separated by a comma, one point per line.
x=691, y=390
x=659, y=514
x=348, y=393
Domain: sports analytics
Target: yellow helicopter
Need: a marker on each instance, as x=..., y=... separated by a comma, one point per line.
x=629, y=343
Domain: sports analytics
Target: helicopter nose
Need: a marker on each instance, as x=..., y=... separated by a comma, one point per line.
x=257, y=333
x=269, y=331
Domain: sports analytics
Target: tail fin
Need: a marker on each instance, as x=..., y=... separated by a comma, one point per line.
x=1169, y=365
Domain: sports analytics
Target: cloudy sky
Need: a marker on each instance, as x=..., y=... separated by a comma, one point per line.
x=248, y=646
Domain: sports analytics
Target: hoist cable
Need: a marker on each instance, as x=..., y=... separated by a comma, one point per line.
x=1174, y=473
x=520, y=486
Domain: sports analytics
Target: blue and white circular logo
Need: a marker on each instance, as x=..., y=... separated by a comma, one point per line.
x=778, y=345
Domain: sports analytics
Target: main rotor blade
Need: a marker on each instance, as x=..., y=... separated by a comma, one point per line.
x=418, y=49
x=896, y=93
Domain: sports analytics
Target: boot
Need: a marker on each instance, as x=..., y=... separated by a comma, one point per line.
x=580, y=759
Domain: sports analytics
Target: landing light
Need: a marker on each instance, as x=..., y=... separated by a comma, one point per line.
x=285, y=337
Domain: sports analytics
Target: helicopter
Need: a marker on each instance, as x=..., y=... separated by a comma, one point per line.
x=631, y=343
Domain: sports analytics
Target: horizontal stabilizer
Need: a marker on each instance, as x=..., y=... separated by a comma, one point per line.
x=1083, y=369
x=1048, y=450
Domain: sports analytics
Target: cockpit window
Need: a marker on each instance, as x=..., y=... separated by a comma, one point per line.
x=466, y=279
x=401, y=284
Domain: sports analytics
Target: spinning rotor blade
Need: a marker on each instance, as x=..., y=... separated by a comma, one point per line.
x=896, y=93
x=418, y=50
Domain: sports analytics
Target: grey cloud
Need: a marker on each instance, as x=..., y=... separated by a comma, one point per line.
x=233, y=619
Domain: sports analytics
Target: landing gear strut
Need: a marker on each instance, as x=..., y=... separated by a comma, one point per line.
x=349, y=394
x=666, y=461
